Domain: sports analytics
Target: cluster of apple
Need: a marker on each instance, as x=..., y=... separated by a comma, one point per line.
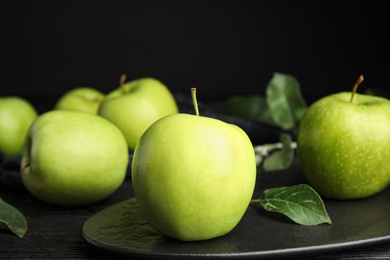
x=132, y=107
x=78, y=152
x=193, y=176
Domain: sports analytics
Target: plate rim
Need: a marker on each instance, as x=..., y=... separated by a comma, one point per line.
x=284, y=252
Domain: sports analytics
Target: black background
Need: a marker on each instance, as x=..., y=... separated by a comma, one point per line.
x=223, y=48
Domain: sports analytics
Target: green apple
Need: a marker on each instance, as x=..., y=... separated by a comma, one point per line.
x=135, y=105
x=85, y=99
x=193, y=176
x=73, y=158
x=343, y=145
x=16, y=116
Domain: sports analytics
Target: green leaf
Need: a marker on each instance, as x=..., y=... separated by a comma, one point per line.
x=12, y=219
x=252, y=107
x=301, y=203
x=377, y=92
x=285, y=101
x=280, y=159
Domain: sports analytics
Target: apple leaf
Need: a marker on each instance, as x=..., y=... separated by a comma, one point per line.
x=12, y=219
x=283, y=105
x=280, y=159
x=377, y=92
x=253, y=108
x=301, y=203
x=285, y=101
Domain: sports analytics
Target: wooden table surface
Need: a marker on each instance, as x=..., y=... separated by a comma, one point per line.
x=55, y=232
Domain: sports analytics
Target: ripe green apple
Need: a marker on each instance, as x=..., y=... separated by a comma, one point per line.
x=16, y=116
x=73, y=158
x=193, y=176
x=85, y=99
x=134, y=106
x=343, y=145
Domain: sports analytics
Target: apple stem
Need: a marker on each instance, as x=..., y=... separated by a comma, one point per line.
x=357, y=83
x=122, y=83
x=24, y=169
x=193, y=95
x=264, y=150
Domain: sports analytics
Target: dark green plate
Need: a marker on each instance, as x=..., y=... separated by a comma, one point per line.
x=260, y=234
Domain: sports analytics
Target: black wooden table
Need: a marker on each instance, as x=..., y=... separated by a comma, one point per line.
x=55, y=232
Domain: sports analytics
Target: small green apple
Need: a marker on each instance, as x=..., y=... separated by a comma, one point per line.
x=343, y=145
x=85, y=99
x=134, y=106
x=193, y=176
x=73, y=158
x=16, y=116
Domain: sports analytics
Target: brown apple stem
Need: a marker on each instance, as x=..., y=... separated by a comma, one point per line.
x=122, y=81
x=357, y=83
x=24, y=168
x=193, y=95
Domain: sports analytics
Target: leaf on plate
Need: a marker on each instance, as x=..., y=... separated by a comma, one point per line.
x=12, y=219
x=280, y=159
x=301, y=203
x=285, y=101
x=252, y=107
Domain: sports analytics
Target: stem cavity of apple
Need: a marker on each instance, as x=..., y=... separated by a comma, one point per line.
x=357, y=83
x=194, y=101
x=122, y=81
x=24, y=169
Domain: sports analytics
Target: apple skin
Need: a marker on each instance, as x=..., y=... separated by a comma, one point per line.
x=145, y=101
x=16, y=116
x=193, y=176
x=343, y=147
x=85, y=99
x=73, y=158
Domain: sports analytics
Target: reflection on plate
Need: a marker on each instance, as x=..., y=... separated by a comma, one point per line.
x=260, y=234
